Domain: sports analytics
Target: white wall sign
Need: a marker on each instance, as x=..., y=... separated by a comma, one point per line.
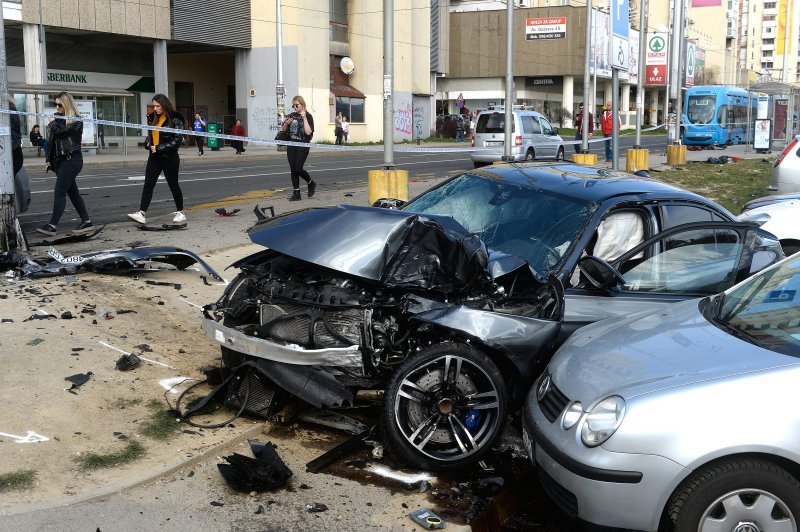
x=545, y=28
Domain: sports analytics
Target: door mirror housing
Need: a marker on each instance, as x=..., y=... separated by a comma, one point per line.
x=600, y=274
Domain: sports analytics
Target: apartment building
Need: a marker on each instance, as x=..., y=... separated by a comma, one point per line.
x=769, y=40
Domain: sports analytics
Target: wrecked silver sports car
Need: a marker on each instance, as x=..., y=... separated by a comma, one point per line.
x=452, y=303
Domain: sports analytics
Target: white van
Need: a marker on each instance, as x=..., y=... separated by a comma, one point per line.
x=533, y=136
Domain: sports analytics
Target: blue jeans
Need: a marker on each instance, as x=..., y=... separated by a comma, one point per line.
x=608, y=146
x=459, y=136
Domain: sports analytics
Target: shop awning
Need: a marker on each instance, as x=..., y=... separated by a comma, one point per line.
x=345, y=91
x=25, y=88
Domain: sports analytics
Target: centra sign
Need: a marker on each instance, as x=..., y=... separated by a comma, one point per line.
x=66, y=78
x=544, y=81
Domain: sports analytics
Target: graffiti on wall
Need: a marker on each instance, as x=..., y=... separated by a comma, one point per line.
x=419, y=121
x=403, y=117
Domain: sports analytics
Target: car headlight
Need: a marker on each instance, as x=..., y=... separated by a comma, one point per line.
x=602, y=421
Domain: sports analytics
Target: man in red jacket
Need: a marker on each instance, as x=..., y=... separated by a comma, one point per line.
x=578, y=123
x=607, y=125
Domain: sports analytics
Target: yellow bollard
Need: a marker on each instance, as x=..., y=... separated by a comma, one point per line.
x=584, y=158
x=676, y=155
x=387, y=184
x=637, y=159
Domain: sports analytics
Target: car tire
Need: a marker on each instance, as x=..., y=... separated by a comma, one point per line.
x=428, y=421
x=530, y=155
x=236, y=292
x=739, y=491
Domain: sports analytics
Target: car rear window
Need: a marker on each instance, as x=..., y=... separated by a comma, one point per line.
x=492, y=123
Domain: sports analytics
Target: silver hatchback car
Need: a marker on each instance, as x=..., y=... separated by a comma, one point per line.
x=683, y=418
x=786, y=170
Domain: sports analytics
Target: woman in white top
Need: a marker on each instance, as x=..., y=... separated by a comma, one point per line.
x=345, y=129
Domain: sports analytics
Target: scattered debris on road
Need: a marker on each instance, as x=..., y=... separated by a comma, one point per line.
x=265, y=472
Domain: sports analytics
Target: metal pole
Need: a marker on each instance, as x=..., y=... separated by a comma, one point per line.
x=586, y=103
x=676, y=67
x=681, y=74
x=388, y=84
x=280, y=90
x=509, y=81
x=640, y=89
x=124, y=129
x=8, y=215
x=615, y=118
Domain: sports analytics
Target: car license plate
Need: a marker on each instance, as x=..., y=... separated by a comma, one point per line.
x=494, y=142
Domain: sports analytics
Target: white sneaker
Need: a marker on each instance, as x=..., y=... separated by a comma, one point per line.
x=137, y=217
x=179, y=217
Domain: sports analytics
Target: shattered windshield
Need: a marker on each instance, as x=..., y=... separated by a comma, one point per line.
x=537, y=225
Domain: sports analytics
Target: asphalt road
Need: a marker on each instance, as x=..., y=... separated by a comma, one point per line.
x=111, y=193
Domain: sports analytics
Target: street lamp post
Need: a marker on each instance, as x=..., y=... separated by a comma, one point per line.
x=509, y=81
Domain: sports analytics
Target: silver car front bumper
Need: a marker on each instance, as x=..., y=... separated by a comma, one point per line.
x=611, y=489
x=348, y=357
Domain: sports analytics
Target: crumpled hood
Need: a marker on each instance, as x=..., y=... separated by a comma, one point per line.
x=652, y=351
x=395, y=248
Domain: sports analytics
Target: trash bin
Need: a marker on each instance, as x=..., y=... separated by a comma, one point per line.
x=214, y=142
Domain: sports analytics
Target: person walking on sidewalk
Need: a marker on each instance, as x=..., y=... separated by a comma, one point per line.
x=578, y=123
x=199, y=125
x=162, y=156
x=300, y=125
x=64, y=157
x=607, y=125
x=460, y=129
x=238, y=131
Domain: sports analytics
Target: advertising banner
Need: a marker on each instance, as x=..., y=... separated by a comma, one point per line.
x=545, y=28
x=599, y=63
x=761, y=139
x=620, y=51
x=691, y=62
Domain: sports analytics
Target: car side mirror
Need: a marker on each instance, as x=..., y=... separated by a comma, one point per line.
x=554, y=131
x=600, y=274
x=389, y=203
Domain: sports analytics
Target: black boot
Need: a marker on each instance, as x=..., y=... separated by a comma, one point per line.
x=295, y=196
x=312, y=186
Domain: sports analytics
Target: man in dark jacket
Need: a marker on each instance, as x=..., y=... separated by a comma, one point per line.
x=578, y=122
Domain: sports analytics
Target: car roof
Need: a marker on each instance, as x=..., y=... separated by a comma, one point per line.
x=585, y=182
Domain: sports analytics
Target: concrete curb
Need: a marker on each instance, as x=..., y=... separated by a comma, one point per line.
x=132, y=482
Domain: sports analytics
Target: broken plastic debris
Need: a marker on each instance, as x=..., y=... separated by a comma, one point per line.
x=264, y=472
x=128, y=362
x=35, y=341
x=176, y=286
x=171, y=383
x=67, y=315
x=316, y=507
x=223, y=212
x=78, y=379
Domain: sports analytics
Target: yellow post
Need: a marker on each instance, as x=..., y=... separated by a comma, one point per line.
x=637, y=159
x=676, y=155
x=584, y=158
x=387, y=184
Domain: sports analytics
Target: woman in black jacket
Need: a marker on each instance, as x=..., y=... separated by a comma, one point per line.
x=65, y=159
x=163, y=156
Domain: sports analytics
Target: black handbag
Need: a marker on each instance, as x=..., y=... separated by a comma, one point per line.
x=282, y=135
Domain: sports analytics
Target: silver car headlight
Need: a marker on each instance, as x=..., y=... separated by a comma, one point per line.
x=602, y=421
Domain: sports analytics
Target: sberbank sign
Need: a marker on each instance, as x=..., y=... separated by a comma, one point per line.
x=66, y=78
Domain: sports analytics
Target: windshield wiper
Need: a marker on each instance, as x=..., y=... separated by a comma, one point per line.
x=736, y=331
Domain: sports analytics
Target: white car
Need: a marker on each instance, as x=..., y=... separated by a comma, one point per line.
x=779, y=215
x=786, y=170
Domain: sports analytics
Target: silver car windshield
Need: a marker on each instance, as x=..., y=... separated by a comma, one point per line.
x=537, y=225
x=767, y=308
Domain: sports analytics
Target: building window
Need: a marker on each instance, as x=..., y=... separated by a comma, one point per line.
x=352, y=108
x=768, y=18
x=769, y=5
x=767, y=42
x=339, y=29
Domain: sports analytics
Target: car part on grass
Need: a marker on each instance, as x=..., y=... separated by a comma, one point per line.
x=316, y=507
x=221, y=211
x=69, y=238
x=265, y=472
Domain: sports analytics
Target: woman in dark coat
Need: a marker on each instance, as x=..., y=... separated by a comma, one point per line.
x=162, y=147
